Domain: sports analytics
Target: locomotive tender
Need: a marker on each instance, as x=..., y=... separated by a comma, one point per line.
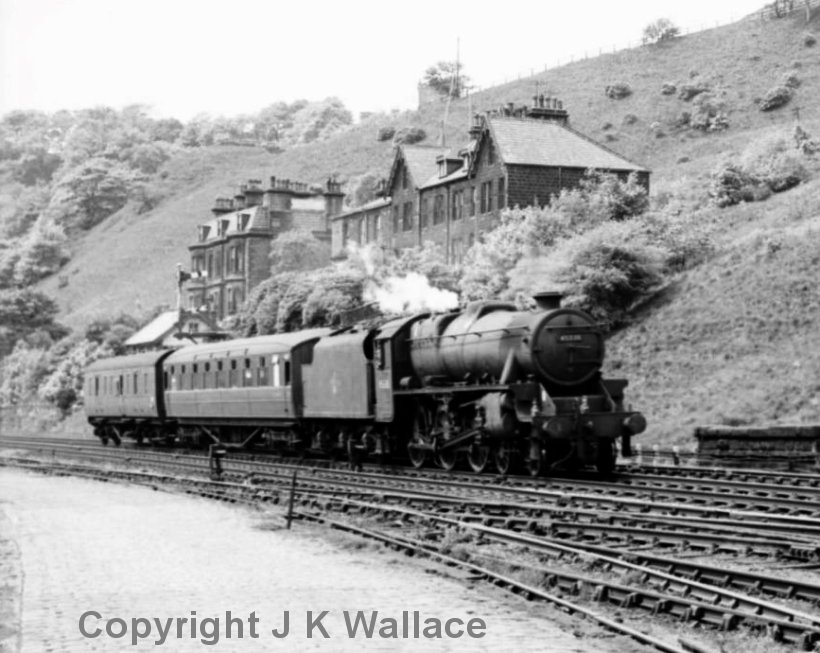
x=490, y=383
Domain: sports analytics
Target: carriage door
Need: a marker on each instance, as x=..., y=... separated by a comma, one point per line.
x=383, y=373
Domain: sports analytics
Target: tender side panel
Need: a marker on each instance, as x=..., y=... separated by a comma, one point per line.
x=339, y=381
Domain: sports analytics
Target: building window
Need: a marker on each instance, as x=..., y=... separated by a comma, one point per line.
x=396, y=219
x=490, y=153
x=486, y=197
x=438, y=209
x=472, y=200
x=407, y=217
x=456, y=205
x=210, y=265
x=425, y=207
x=405, y=181
x=502, y=189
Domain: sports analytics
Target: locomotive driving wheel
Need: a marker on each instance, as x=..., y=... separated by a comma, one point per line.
x=478, y=456
x=502, y=457
x=446, y=459
x=418, y=457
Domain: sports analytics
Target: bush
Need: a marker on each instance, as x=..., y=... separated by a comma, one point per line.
x=669, y=89
x=809, y=40
x=603, y=272
x=618, y=91
x=662, y=29
x=770, y=165
x=708, y=114
x=688, y=91
x=730, y=185
x=774, y=161
x=791, y=80
x=409, y=135
x=386, y=133
x=630, y=119
x=775, y=98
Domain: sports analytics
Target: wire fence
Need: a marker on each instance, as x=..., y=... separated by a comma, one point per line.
x=769, y=12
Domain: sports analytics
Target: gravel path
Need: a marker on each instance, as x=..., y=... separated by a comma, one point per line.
x=70, y=546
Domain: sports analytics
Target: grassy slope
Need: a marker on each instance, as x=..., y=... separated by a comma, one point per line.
x=732, y=341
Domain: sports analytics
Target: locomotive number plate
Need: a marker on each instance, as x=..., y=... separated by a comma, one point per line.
x=571, y=337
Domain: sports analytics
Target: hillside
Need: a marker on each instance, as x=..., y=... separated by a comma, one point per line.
x=127, y=262
x=730, y=341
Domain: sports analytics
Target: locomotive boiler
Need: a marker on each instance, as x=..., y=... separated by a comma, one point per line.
x=490, y=385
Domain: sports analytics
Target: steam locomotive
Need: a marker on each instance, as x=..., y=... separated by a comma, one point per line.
x=492, y=386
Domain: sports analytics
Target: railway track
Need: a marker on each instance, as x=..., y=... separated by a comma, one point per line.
x=625, y=529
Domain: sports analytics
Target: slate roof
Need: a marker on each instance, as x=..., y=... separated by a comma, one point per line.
x=522, y=141
x=377, y=203
x=420, y=161
x=256, y=217
x=155, y=330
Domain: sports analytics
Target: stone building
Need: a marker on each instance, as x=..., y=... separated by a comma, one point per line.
x=516, y=156
x=231, y=255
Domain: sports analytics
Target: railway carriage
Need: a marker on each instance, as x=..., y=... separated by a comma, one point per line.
x=123, y=397
x=239, y=391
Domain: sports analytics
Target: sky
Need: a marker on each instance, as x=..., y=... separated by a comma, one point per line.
x=186, y=57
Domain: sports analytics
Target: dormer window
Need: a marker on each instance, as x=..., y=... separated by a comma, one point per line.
x=223, y=227
x=204, y=230
x=244, y=219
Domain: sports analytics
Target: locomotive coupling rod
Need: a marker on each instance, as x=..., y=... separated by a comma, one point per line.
x=458, y=440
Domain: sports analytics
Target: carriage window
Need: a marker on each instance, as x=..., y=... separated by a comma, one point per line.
x=247, y=374
x=207, y=367
x=119, y=385
x=136, y=378
x=276, y=375
x=262, y=373
x=165, y=380
x=287, y=370
x=96, y=386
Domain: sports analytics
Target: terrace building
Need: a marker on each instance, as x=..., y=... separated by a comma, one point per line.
x=516, y=156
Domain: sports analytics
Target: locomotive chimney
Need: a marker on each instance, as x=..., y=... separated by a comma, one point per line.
x=548, y=301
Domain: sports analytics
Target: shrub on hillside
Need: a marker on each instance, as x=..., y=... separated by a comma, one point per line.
x=791, y=80
x=774, y=161
x=603, y=272
x=729, y=184
x=528, y=232
x=688, y=91
x=618, y=91
x=661, y=30
x=809, y=40
x=770, y=165
x=775, y=98
x=669, y=88
x=630, y=119
x=708, y=114
x=409, y=135
x=386, y=133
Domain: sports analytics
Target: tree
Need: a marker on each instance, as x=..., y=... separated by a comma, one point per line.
x=91, y=192
x=23, y=312
x=298, y=250
x=446, y=78
x=662, y=29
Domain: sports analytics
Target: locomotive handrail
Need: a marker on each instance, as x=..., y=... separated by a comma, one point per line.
x=522, y=329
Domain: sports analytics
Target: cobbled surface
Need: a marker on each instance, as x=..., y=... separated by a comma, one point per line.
x=68, y=546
